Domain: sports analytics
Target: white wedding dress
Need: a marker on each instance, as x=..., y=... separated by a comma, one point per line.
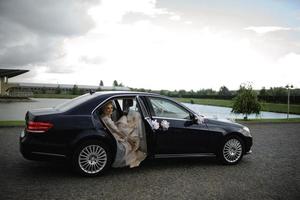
x=126, y=155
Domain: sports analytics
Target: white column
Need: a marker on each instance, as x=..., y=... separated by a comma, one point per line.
x=2, y=86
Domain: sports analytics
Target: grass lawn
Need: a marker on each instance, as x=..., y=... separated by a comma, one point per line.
x=294, y=120
x=211, y=102
x=55, y=96
x=271, y=107
x=12, y=123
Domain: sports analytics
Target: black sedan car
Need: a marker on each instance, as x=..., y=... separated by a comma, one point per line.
x=75, y=131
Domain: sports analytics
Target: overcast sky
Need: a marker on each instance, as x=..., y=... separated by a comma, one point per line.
x=153, y=44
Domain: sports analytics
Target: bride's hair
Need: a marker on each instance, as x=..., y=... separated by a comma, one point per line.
x=105, y=105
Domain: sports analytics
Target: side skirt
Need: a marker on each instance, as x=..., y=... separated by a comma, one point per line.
x=184, y=155
x=48, y=154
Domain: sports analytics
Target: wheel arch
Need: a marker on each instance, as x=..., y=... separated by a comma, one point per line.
x=105, y=138
x=234, y=133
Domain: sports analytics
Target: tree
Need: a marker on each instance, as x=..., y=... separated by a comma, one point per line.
x=224, y=91
x=75, y=90
x=44, y=90
x=181, y=93
x=101, y=83
x=246, y=102
x=58, y=90
x=115, y=83
x=163, y=92
x=263, y=93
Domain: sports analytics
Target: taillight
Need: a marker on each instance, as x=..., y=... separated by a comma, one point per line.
x=38, y=127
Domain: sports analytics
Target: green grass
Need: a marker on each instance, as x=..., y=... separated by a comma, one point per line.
x=294, y=120
x=271, y=107
x=56, y=96
x=212, y=102
x=281, y=108
x=12, y=123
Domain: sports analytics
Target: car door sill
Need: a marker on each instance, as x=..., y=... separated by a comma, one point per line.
x=184, y=155
x=48, y=154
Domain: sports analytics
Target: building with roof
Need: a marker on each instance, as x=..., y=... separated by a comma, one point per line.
x=5, y=74
x=28, y=89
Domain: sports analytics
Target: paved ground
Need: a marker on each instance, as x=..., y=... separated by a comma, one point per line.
x=271, y=172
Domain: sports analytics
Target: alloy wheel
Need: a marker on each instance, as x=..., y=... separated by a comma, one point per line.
x=92, y=159
x=232, y=150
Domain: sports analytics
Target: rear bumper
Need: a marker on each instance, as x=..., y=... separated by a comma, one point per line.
x=33, y=148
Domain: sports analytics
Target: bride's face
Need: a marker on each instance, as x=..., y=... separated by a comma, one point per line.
x=108, y=109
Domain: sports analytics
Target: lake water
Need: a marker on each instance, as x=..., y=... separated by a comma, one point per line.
x=17, y=110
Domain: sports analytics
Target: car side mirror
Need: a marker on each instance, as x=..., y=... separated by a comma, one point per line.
x=197, y=119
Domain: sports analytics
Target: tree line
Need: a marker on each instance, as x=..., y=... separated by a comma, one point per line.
x=245, y=100
x=271, y=95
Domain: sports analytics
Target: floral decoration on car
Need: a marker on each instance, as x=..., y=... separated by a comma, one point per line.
x=200, y=119
x=155, y=124
x=165, y=125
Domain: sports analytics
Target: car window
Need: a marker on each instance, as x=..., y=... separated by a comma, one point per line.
x=122, y=106
x=74, y=102
x=143, y=107
x=127, y=104
x=168, y=109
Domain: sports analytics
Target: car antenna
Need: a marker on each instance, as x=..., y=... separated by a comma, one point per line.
x=92, y=92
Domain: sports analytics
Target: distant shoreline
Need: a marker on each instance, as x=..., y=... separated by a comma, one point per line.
x=7, y=99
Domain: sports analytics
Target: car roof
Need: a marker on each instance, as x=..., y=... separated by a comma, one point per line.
x=111, y=93
x=96, y=97
x=93, y=99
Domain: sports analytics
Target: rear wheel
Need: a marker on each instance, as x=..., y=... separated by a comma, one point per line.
x=92, y=158
x=231, y=151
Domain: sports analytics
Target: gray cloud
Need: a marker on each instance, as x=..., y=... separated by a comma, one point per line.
x=92, y=60
x=58, y=69
x=64, y=17
x=38, y=51
x=133, y=17
x=276, y=43
x=32, y=32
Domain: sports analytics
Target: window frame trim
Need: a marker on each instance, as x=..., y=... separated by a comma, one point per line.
x=113, y=97
x=153, y=115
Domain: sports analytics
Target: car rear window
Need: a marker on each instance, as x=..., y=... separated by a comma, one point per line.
x=74, y=102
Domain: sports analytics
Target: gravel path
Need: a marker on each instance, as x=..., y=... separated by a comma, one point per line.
x=271, y=172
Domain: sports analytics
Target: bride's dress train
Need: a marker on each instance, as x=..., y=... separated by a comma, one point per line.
x=130, y=125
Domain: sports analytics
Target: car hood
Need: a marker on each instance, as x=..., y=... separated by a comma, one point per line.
x=222, y=123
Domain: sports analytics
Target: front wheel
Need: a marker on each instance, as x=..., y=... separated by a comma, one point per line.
x=91, y=158
x=231, y=151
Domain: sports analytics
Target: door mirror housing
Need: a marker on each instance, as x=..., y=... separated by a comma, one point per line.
x=196, y=119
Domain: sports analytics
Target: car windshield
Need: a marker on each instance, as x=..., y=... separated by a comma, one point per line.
x=74, y=102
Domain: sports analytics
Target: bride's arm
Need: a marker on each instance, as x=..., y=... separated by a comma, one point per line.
x=111, y=125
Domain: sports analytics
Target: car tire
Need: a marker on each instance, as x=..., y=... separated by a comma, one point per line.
x=232, y=150
x=92, y=158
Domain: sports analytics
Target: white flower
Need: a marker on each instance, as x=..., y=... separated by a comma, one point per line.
x=155, y=124
x=200, y=120
x=164, y=124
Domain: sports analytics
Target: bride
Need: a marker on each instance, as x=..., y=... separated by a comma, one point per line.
x=125, y=132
